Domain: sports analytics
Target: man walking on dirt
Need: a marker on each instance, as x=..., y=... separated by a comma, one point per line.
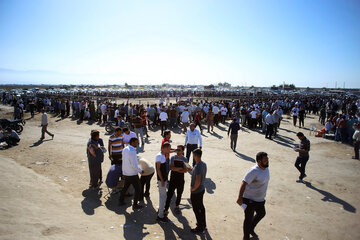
x=252, y=194
x=44, y=124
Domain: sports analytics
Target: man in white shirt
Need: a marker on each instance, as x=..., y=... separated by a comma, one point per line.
x=161, y=172
x=253, y=120
x=185, y=119
x=127, y=136
x=224, y=111
x=356, y=139
x=192, y=139
x=216, y=111
x=269, y=121
x=44, y=124
x=130, y=170
x=116, y=114
x=252, y=194
x=163, y=120
x=295, y=112
x=103, y=112
x=328, y=126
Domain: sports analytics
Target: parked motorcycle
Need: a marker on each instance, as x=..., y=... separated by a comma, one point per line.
x=16, y=125
x=110, y=127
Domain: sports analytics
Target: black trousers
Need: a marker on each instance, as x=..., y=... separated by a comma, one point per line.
x=294, y=120
x=116, y=159
x=301, y=121
x=250, y=220
x=356, y=149
x=131, y=180
x=95, y=173
x=189, y=149
x=145, y=182
x=197, y=123
x=216, y=119
x=199, y=209
x=178, y=184
x=269, y=130
x=300, y=164
x=163, y=125
x=233, y=141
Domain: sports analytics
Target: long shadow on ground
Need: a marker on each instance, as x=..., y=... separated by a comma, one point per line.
x=329, y=197
x=244, y=157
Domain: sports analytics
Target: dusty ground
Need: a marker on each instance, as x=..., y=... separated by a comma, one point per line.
x=44, y=188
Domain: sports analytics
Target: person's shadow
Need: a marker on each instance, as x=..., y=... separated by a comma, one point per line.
x=133, y=227
x=328, y=197
x=216, y=135
x=244, y=157
x=91, y=201
x=210, y=185
x=39, y=142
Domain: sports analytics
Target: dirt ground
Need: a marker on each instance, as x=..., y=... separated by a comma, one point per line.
x=44, y=185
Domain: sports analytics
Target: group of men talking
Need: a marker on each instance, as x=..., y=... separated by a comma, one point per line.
x=127, y=165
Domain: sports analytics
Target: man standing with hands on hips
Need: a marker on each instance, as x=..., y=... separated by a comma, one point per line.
x=193, y=137
x=252, y=194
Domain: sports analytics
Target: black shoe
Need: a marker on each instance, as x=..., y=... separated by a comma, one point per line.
x=177, y=210
x=137, y=206
x=197, y=230
x=299, y=181
x=166, y=213
x=164, y=219
x=354, y=158
x=121, y=203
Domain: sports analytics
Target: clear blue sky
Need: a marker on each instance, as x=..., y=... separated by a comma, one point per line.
x=260, y=43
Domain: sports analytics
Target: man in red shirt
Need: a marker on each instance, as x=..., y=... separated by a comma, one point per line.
x=198, y=120
x=343, y=129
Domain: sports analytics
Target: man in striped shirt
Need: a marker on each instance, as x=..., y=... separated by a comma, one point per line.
x=116, y=145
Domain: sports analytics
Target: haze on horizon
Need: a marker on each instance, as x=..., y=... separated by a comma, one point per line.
x=260, y=43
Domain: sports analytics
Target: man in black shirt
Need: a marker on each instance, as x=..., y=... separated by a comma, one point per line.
x=303, y=150
x=178, y=168
x=234, y=128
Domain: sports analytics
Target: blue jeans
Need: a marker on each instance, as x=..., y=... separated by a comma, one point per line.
x=139, y=131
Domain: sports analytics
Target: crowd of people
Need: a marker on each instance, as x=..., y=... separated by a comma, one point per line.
x=134, y=122
x=126, y=167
